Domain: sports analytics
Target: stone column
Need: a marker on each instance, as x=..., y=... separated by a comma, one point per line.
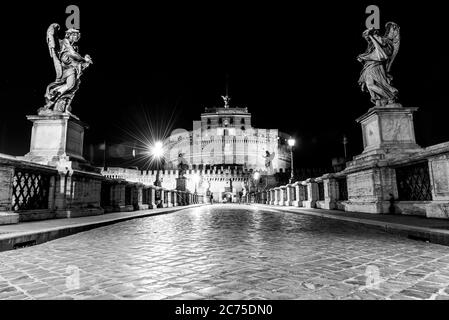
x=369, y=190
x=175, y=198
x=330, y=192
x=276, y=196
x=163, y=198
x=296, y=189
x=6, y=179
x=169, y=199
x=312, y=194
x=138, y=198
x=289, y=199
x=282, y=197
x=439, y=181
x=152, y=197
x=117, y=197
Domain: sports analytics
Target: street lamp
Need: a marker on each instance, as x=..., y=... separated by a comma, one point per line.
x=157, y=151
x=291, y=143
x=345, y=142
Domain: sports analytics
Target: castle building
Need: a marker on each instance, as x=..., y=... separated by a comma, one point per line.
x=223, y=151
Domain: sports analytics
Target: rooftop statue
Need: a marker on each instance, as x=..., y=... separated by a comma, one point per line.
x=69, y=66
x=226, y=100
x=378, y=58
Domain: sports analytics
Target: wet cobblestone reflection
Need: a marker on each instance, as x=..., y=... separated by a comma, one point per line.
x=227, y=252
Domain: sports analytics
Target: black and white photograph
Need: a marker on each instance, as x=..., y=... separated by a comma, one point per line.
x=218, y=152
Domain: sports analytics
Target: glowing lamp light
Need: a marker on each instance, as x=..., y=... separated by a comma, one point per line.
x=196, y=178
x=291, y=142
x=256, y=175
x=157, y=150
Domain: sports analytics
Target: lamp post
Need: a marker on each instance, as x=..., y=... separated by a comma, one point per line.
x=291, y=143
x=345, y=142
x=157, y=151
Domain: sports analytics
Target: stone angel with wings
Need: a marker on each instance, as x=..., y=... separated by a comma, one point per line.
x=378, y=58
x=69, y=66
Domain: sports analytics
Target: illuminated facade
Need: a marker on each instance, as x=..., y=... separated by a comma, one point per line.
x=223, y=151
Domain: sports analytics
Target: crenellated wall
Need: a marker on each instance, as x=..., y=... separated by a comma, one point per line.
x=218, y=180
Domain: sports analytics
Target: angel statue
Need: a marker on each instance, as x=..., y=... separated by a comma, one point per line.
x=182, y=165
x=226, y=100
x=378, y=58
x=269, y=161
x=69, y=66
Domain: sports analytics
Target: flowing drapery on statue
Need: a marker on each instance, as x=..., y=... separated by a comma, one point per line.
x=378, y=58
x=69, y=65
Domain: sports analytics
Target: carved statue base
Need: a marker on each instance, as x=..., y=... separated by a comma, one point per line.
x=388, y=131
x=181, y=184
x=56, y=138
x=388, y=134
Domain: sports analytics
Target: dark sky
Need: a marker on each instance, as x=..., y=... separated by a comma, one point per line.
x=293, y=66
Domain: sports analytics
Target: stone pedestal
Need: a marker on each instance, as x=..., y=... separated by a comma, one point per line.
x=57, y=141
x=388, y=135
x=181, y=184
x=276, y=196
x=388, y=132
x=56, y=137
x=298, y=196
x=330, y=192
x=312, y=194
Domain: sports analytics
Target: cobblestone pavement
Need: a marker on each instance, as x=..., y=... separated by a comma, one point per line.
x=228, y=252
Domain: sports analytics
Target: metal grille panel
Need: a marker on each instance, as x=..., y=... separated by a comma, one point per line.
x=320, y=191
x=413, y=182
x=342, y=189
x=30, y=190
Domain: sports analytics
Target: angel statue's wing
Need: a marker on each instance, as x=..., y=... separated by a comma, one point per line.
x=53, y=47
x=393, y=34
x=272, y=156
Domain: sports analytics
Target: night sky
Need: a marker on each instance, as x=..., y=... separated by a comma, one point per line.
x=294, y=66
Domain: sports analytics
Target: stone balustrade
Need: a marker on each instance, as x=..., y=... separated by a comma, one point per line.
x=414, y=184
x=31, y=191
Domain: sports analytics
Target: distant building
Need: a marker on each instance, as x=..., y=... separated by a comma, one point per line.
x=223, y=150
x=225, y=136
